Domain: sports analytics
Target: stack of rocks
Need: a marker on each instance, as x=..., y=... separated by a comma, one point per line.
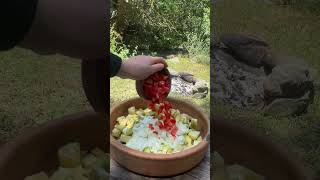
x=247, y=72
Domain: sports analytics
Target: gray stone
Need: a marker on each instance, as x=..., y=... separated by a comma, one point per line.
x=173, y=73
x=199, y=95
x=187, y=77
x=200, y=86
x=284, y=107
x=232, y=40
x=288, y=81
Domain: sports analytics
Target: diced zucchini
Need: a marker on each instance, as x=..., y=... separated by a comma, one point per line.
x=147, y=112
x=194, y=124
x=184, y=118
x=99, y=174
x=178, y=118
x=38, y=176
x=194, y=134
x=132, y=110
x=98, y=152
x=62, y=174
x=147, y=149
x=187, y=140
x=124, y=138
x=123, y=121
x=89, y=161
x=116, y=133
x=130, y=124
x=127, y=131
x=170, y=150
x=120, y=127
x=120, y=118
x=70, y=155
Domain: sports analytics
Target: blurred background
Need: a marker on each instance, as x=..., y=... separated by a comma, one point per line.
x=289, y=28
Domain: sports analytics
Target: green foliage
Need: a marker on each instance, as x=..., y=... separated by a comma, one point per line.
x=160, y=25
x=118, y=48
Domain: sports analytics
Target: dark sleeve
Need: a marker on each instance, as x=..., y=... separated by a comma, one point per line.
x=16, y=17
x=114, y=65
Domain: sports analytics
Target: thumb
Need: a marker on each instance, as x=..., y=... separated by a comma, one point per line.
x=157, y=67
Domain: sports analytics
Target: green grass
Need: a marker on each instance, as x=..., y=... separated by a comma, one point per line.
x=290, y=30
x=35, y=89
x=122, y=89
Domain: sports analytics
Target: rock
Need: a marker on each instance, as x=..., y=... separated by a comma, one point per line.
x=173, y=73
x=199, y=95
x=200, y=87
x=284, y=107
x=274, y=59
x=288, y=81
x=187, y=77
x=248, y=49
x=235, y=83
x=232, y=40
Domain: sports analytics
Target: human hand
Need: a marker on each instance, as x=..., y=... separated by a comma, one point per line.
x=141, y=67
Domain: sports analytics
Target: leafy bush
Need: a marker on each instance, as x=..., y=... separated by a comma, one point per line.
x=156, y=25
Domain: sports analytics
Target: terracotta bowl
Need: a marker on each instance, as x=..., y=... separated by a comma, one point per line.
x=36, y=149
x=243, y=146
x=139, y=84
x=158, y=164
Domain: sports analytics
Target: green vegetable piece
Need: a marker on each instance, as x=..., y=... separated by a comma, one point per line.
x=127, y=131
x=98, y=152
x=120, y=127
x=188, y=140
x=62, y=174
x=194, y=124
x=39, y=176
x=184, y=118
x=70, y=155
x=132, y=110
x=147, y=149
x=124, y=138
x=99, y=174
x=194, y=134
x=116, y=133
x=89, y=161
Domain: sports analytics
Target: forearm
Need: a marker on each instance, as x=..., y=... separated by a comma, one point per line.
x=76, y=28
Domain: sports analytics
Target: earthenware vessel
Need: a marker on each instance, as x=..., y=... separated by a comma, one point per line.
x=159, y=164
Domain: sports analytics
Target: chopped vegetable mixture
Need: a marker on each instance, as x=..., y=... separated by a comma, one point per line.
x=78, y=165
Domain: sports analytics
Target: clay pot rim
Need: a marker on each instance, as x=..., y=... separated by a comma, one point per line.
x=163, y=157
x=8, y=150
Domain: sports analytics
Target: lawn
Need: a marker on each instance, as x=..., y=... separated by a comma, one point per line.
x=290, y=30
x=122, y=89
x=35, y=89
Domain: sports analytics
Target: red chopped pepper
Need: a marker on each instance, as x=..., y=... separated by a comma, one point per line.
x=156, y=87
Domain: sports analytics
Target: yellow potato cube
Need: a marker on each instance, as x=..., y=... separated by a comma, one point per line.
x=124, y=138
x=147, y=149
x=38, y=176
x=188, y=140
x=116, y=133
x=194, y=123
x=194, y=134
x=89, y=161
x=127, y=131
x=70, y=155
x=132, y=110
x=120, y=118
x=120, y=127
x=123, y=121
x=130, y=124
x=98, y=152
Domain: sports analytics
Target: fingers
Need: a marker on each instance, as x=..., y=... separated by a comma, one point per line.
x=157, y=60
x=157, y=67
